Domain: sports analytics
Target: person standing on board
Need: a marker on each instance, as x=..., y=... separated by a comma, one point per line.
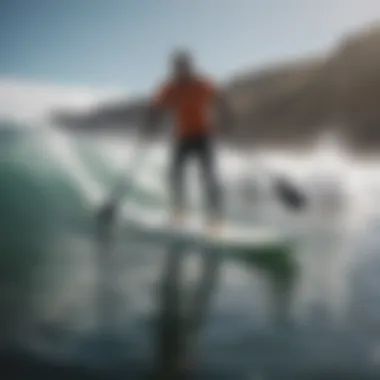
x=191, y=98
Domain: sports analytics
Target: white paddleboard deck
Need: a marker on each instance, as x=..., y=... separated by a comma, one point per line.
x=155, y=227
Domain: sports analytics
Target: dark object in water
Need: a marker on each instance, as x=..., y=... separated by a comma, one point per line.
x=106, y=213
x=289, y=194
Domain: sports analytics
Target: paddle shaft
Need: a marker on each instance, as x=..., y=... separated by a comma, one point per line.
x=134, y=165
x=105, y=244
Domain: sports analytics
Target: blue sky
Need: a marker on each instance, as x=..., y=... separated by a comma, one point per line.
x=125, y=43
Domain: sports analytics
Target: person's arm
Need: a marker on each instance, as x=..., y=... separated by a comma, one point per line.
x=156, y=108
x=225, y=111
x=223, y=108
x=153, y=116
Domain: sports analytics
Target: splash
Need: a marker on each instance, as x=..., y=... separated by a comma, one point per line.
x=60, y=147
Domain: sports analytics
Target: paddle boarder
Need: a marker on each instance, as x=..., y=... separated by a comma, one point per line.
x=192, y=99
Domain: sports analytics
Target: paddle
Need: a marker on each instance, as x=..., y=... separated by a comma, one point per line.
x=289, y=194
x=106, y=213
x=105, y=217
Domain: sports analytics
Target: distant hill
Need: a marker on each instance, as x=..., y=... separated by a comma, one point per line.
x=289, y=103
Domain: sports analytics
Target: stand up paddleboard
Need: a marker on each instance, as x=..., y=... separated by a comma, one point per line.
x=259, y=247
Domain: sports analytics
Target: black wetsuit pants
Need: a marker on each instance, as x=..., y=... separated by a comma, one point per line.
x=201, y=148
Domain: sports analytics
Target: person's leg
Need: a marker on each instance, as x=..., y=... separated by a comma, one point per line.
x=177, y=201
x=206, y=155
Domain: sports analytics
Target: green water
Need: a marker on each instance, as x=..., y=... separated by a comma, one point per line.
x=40, y=201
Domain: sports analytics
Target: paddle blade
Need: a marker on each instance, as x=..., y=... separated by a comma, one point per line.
x=106, y=213
x=289, y=194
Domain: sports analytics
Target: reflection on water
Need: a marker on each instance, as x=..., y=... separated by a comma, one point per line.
x=46, y=187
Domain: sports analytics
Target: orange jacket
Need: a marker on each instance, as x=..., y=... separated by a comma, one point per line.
x=191, y=104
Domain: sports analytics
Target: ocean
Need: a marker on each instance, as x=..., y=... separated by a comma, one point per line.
x=51, y=184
